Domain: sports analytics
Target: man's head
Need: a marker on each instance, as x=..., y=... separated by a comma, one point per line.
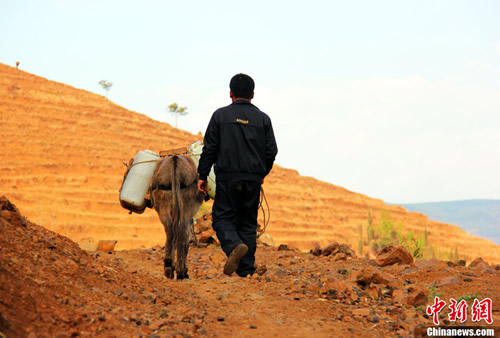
x=242, y=87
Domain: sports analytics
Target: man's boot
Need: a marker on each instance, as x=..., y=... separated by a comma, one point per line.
x=234, y=258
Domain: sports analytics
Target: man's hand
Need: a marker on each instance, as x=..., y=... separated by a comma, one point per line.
x=202, y=187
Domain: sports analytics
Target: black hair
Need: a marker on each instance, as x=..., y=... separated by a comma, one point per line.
x=242, y=86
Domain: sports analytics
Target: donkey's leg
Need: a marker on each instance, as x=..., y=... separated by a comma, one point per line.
x=169, y=267
x=193, y=238
x=182, y=250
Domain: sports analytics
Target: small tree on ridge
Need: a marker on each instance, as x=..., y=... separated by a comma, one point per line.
x=176, y=110
x=106, y=85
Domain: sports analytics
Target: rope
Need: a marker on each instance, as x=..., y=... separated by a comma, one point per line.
x=131, y=165
x=261, y=206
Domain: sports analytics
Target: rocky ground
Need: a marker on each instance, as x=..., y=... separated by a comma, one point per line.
x=62, y=152
x=50, y=287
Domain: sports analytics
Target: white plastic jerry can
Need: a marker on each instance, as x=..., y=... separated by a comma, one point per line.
x=138, y=180
x=194, y=151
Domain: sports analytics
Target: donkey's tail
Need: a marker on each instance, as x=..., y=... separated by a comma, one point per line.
x=176, y=199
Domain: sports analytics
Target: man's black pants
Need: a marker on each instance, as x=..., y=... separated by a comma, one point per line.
x=234, y=216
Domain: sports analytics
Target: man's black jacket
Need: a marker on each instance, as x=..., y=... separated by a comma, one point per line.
x=240, y=141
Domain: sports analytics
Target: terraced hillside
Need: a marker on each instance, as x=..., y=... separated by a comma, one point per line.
x=61, y=164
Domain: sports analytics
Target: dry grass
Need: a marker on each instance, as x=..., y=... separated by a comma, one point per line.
x=62, y=166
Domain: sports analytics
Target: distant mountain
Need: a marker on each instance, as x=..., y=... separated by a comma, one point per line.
x=61, y=165
x=478, y=217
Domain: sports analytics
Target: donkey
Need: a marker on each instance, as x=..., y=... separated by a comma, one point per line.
x=176, y=199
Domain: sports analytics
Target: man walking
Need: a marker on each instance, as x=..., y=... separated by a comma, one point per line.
x=240, y=141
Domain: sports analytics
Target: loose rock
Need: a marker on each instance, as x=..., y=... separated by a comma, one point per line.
x=373, y=275
x=392, y=255
x=478, y=262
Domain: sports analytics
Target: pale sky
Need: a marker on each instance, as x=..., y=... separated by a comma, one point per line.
x=397, y=100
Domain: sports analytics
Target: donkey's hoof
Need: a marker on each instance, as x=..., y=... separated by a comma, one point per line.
x=169, y=272
x=183, y=275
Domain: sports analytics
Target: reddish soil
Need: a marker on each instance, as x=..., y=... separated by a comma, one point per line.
x=50, y=287
x=62, y=153
x=61, y=157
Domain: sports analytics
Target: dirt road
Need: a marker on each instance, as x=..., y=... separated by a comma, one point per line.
x=49, y=287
